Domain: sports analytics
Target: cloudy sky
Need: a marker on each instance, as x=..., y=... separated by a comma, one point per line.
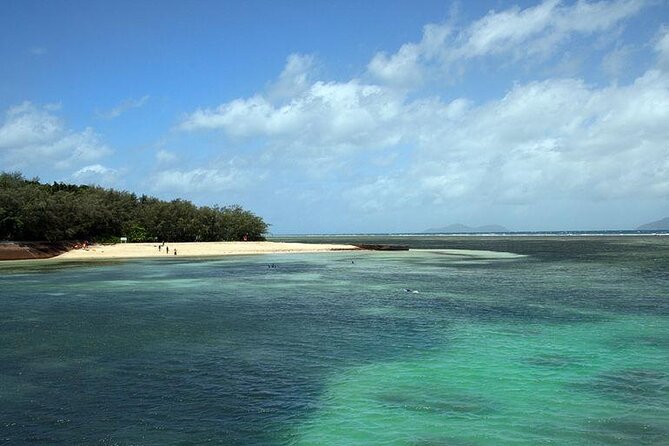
x=349, y=116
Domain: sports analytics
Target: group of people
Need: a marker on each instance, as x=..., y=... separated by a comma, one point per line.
x=167, y=249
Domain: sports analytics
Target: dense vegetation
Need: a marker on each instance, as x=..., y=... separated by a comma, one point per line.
x=30, y=210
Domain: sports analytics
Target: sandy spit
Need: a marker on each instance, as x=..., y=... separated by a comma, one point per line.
x=194, y=249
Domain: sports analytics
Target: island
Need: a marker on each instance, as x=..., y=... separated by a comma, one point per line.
x=659, y=225
x=80, y=222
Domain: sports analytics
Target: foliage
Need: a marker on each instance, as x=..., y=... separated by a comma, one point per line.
x=30, y=210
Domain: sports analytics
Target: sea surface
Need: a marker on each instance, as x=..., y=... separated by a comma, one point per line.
x=461, y=341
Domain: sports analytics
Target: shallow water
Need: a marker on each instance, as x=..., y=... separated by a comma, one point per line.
x=565, y=343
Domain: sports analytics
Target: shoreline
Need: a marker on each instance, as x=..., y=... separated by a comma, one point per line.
x=30, y=250
x=194, y=250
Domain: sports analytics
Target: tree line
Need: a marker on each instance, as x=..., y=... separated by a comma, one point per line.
x=31, y=210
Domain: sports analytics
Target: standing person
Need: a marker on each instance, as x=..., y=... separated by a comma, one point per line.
x=159, y=247
x=175, y=251
x=167, y=249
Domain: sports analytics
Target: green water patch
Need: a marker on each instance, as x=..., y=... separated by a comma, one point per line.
x=627, y=430
x=554, y=385
x=391, y=312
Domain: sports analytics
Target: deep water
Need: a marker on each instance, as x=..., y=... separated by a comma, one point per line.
x=563, y=341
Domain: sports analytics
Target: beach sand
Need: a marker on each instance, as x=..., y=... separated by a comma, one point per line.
x=195, y=249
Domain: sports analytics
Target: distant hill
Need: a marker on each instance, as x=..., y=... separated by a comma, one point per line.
x=660, y=225
x=464, y=229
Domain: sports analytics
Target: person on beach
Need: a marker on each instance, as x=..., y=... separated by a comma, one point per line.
x=159, y=247
x=175, y=251
x=167, y=249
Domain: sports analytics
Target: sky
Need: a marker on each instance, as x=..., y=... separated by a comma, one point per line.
x=346, y=116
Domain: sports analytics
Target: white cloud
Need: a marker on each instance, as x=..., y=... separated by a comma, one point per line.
x=26, y=124
x=587, y=16
x=662, y=47
x=545, y=140
x=557, y=138
x=402, y=68
x=405, y=68
x=123, y=107
x=534, y=32
x=96, y=174
x=217, y=179
x=616, y=62
x=336, y=117
x=33, y=136
x=166, y=157
x=381, y=194
x=501, y=31
x=295, y=77
x=553, y=139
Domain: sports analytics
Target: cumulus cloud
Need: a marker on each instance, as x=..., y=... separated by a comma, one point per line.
x=405, y=68
x=327, y=115
x=616, y=62
x=34, y=136
x=534, y=32
x=381, y=194
x=295, y=77
x=215, y=179
x=402, y=68
x=662, y=47
x=123, y=107
x=96, y=174
x=558, y=138
x=166, y=157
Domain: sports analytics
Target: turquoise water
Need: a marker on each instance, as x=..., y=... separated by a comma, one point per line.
x=560, y=342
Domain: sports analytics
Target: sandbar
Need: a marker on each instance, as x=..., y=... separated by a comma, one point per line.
x=195, y=249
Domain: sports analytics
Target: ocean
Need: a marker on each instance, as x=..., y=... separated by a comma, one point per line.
x=493, y=340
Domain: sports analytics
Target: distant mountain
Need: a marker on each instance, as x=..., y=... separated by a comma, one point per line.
x=464, y=229
x=660, y=225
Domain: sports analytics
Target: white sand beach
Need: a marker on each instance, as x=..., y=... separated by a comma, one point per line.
x=195, y=249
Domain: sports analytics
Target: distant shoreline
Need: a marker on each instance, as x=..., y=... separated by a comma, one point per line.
x=625, y=233
x=18, y=251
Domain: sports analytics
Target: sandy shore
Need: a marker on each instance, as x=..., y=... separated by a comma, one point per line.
x=195, y=249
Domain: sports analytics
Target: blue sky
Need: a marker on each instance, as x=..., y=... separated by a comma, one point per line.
x=342, y=116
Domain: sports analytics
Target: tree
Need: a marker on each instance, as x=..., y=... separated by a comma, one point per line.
x=30, y=210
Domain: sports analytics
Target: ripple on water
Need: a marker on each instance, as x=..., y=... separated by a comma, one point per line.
x=626, y=431
x=435, y=401
x=555, y=361
x=440, y=441
x=646, y=387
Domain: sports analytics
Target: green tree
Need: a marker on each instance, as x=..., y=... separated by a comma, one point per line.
x=30, y=210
